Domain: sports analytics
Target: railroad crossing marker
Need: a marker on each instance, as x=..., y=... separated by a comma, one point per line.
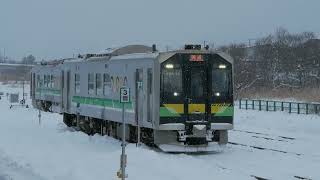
x=124, y=95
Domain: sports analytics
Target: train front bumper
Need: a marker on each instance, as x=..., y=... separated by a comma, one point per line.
x=200, y=138
x=182, y=127
x=182, y=148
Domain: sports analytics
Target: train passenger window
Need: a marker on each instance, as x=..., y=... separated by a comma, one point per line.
x=57, y=82
x=77, y=83
x=51, y=81
x=41, y=82
x=48, y=81
x=106, y=84
x=38, y=81
x=99, y=90
x=45, y=81
x=91, y=83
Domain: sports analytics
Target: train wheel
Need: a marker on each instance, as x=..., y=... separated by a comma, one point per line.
x=133, y=134
x=67, y=119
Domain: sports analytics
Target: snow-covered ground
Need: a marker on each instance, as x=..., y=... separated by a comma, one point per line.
x=271, y=145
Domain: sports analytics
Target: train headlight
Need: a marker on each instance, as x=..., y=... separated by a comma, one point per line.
x=222, y=66
x=169, y=66
x=176, y=94
x=217, y=94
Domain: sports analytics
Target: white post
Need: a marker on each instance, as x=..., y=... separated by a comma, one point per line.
x=123, y=155
x=139, y=132
x=39, y=116
x=124, y=98
x=23, y=90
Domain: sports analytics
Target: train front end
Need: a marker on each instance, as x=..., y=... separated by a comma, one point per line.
x=196, y=101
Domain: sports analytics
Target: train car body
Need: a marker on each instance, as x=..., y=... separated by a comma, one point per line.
x=181, y=101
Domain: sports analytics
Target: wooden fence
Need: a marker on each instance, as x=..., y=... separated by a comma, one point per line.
x=290, y=107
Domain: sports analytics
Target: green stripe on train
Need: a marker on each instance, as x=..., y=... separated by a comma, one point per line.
x=168, y=112
x=227, y=111
x=101, y=102
x=45, y=91
x=223, y=112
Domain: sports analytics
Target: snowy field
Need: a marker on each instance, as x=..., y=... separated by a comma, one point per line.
x=269, y=145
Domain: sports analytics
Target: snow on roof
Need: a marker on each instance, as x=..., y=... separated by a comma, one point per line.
x=7, y=64
x=136, y=56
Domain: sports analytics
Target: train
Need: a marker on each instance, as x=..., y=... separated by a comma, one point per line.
x=180, y=100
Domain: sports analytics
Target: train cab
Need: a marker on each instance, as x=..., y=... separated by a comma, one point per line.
x=196, y=95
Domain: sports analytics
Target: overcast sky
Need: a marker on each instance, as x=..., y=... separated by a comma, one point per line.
x=61, y=28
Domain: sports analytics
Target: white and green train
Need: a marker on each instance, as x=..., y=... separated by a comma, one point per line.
x=181, y=101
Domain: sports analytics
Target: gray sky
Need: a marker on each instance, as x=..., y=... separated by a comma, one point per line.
x=61, y=28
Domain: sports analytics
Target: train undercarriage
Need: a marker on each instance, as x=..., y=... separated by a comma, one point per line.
x=169, y=138
x=93, y=126
x=166, y=140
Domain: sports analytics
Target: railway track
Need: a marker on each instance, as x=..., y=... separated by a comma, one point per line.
x=265, y=134
x=268, y=137
x=296, y=177
x=264, y=148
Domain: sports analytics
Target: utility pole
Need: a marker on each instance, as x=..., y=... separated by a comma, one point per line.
x=4, y=54
x=39, y=115
x=23, y=100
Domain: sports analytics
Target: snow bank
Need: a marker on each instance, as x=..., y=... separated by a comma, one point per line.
x=53, y=151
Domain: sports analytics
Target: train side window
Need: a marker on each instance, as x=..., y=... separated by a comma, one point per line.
x=38, y=81
x=48, y=81
x=77, y=83
x=57, y=82
x=45, y=81
x=51, y=81
x=171, y=78
x=99, y=90
x=106, y=84
x=91, y=84
x=221, y=78
x=41, y=81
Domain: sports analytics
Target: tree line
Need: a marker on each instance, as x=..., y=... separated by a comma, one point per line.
x=281, y=60
x=30, y=59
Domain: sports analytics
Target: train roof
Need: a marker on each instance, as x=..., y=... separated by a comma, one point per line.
x=135, y=52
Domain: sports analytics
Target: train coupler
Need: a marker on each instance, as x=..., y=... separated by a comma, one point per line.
x=182, y=136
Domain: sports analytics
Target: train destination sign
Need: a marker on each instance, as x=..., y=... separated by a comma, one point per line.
x=124, y=95
x=196, y=58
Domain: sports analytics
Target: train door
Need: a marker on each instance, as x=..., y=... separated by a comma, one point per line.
x=66, y=90
x=139, y=96
x=62, y=90
x=33, y=85
x=149, y=95
x=196, y=92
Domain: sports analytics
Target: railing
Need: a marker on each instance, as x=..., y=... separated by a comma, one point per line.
x=290, y=107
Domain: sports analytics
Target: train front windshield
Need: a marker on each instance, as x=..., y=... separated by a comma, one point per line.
x=191, y=85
